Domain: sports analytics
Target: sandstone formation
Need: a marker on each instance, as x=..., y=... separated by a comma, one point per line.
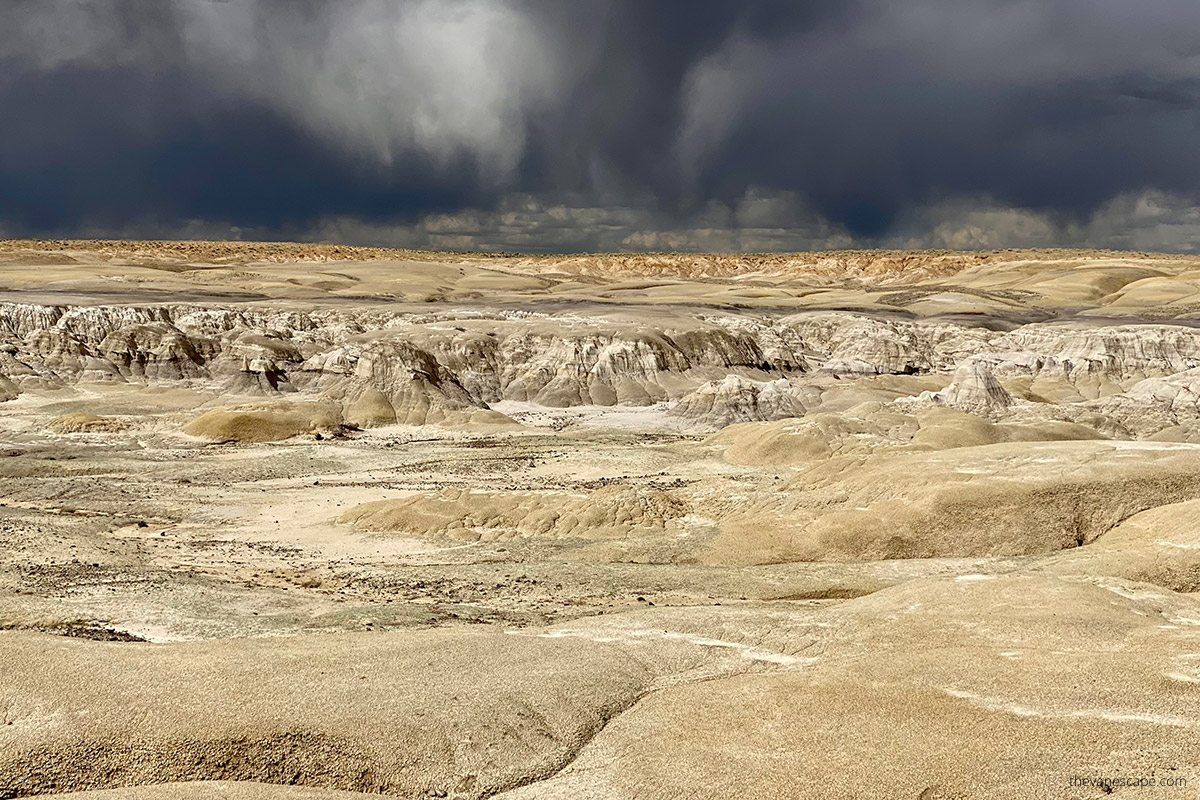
x=8, y=389
x=718, y=404
x=308, y=522
x=974, y=389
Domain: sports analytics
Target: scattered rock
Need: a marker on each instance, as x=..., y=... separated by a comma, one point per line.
x=82, y=422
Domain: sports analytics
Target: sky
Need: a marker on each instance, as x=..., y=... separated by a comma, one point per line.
x=605, y=125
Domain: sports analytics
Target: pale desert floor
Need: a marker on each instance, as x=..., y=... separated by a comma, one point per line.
x=308, y=522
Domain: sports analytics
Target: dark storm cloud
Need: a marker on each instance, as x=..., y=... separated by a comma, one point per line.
x=118, y=112
x=1056, y=105
x=660, y=124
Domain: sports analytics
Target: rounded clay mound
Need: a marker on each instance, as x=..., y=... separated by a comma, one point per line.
x=991, y=501
x=469, y=515
x=264, y=423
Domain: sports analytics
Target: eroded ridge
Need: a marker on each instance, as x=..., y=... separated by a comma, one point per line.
x=290, y=521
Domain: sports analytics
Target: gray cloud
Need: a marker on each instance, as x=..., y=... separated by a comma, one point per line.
x=382, y=80
x=762, y=221
x=1054, y=105
x=605, y=124
x=755, y=223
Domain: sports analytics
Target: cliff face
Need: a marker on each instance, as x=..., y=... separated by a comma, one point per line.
x=974, y=389
x=732, y=399
x=382, y=367
x=452, y=363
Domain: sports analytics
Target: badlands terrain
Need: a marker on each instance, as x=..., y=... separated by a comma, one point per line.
x=292, y=522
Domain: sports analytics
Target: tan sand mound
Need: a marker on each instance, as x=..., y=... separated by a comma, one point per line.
x=1160, y=546
x=470, y=515
x=264, y=422
x=465, y=714
x=869, y=427
x=995, y=500
x=938, y=689
x=83, y=422
x=214, y=790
